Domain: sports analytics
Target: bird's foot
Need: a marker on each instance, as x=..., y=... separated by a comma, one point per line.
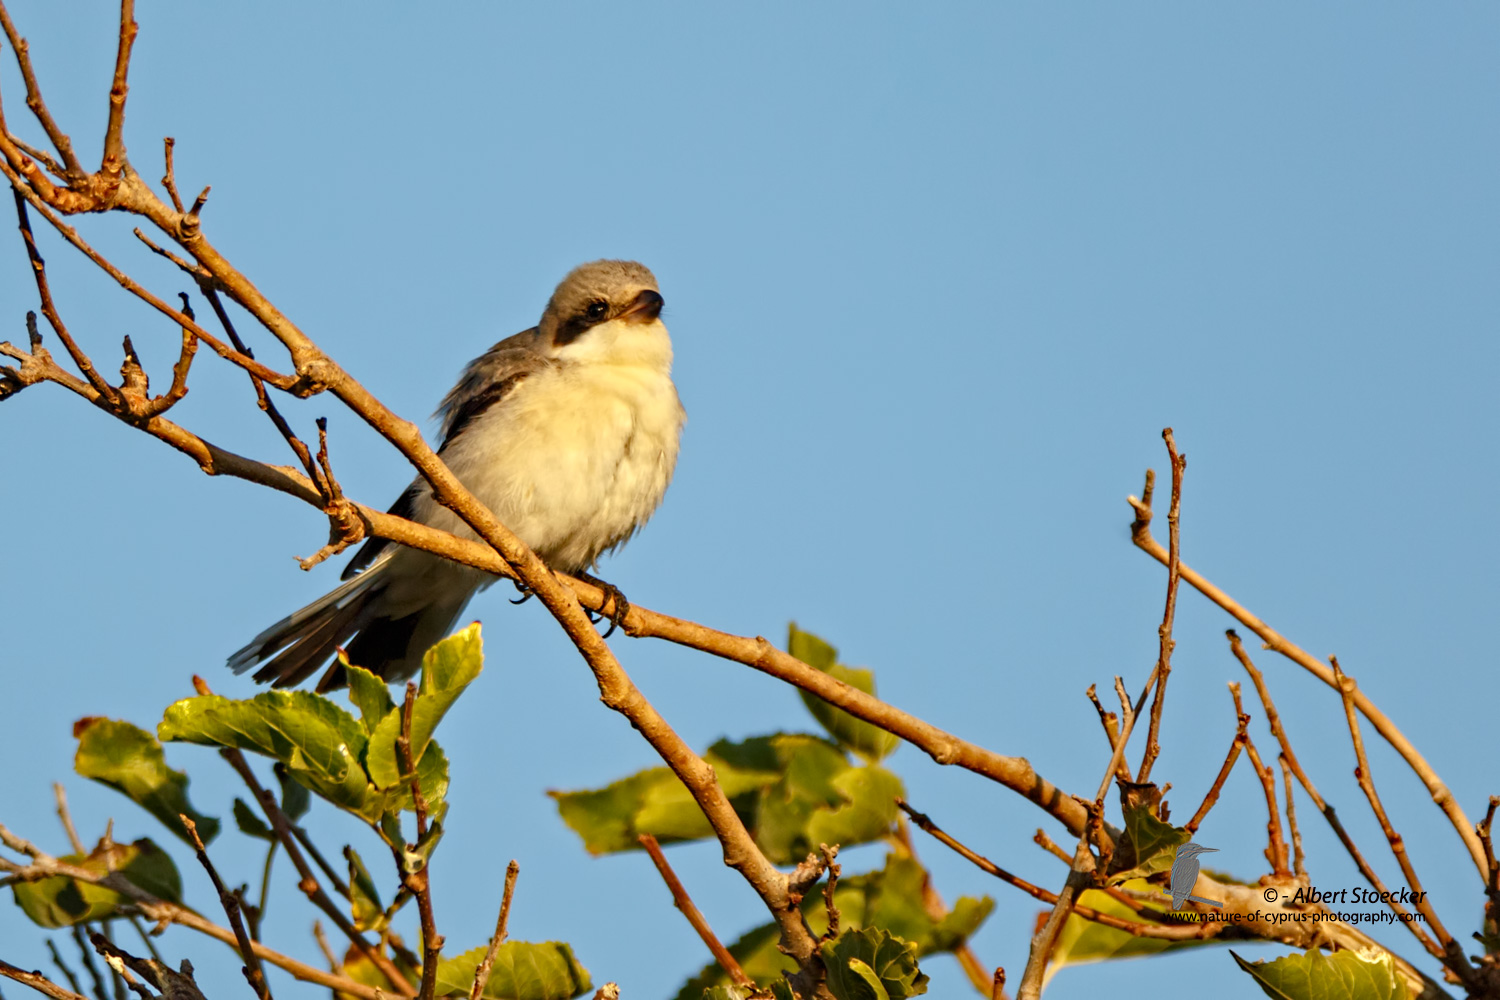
x=616, y=606
x=526, y=593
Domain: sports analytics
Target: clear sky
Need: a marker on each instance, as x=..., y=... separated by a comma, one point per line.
x=937, y=277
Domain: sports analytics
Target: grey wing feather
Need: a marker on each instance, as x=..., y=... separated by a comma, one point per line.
x=485, y=381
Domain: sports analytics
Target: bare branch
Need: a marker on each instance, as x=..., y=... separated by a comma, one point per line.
x=38, y=982
x=1141, y=536
x=1236, y=745
x=482, y=974
x=1452, y=954
x=418, y=882
x=1164, y=634
x=684, y=902
x=231, y=904
x=114, y=141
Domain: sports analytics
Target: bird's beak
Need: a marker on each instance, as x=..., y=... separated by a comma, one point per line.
x=645, y=309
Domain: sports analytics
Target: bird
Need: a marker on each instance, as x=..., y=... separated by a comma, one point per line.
x=568, y=432
x=1185, y=875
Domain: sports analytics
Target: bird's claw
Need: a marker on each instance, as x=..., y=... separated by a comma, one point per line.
x=615, y=607
x=526, y=593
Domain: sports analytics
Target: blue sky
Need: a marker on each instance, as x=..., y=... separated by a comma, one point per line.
x=937, y=277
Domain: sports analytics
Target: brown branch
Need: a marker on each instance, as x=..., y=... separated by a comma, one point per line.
x=684, y=902
x=106, y=392
x=1179, y=932
x=1299, y=860
x=114, y=143
x=1452, y=953
x=1111, y=723
x=1141, y=536
x=417, y=882
x=1241, y=734
x=62, y=967
x=121, y=962
x=44, y=865
x=308, y=881
x=997, y=985
x=38, y=982
x=933, y=903
x=1275, y=846
x=169, y=178
x=482, y=974
x=1164, y=634
x=67, y=818
x=1047, y=844
x=35, y=200
x=59, y=139
x=231, y=904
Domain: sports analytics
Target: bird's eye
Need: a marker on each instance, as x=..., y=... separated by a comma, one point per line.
x=597, y=310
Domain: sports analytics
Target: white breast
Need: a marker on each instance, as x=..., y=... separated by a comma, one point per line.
x=574, y=460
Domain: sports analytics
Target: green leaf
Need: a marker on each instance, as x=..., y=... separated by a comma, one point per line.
x=368, y=693
x=447, y=669
x=60, y=901
x=890, y=898
x=757, y=954
x=250, y=824
x=294, y=798
x=1083, y=942
x=869, y=741
x=726, y=993
x=364, y=898
x=792, y=790
x=810, y=649
x=870, y=964
x=610, y=819
x=320, y=744
x=522, y=971
x=1148, y=846
x=1365, y=974
x=129, y=760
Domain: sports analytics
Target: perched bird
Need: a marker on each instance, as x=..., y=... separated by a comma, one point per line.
x=567, y=432
x=1185, y=875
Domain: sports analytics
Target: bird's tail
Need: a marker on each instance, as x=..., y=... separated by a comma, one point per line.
x=294, y=647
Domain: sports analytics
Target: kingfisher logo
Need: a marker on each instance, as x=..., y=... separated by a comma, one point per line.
x=1185, y=876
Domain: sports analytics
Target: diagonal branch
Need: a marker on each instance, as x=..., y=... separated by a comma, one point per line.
x=1441, y=794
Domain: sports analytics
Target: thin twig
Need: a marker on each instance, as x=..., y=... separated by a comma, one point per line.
x=1047, y=844
x=308, y=881
x=1164, y=634
x=1276, y=852
x=932, y=902
x=169, y=179
x=1299, y=860
x=38, y=982
x=482, y=974
x=86, y=955
x=114, y=144
x=1441, y=794
x=1111, y=723
x=49, y=309
x=231, y=904
x=44, y=866
x=59, y=139
x=1179, y=932
x=1453, y=955
x=67, y=818
x=419, y=882
x=62, y=967
x=1241, y=734
x=684, y=902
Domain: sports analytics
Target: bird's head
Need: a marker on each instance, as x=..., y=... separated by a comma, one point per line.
x=609, y=312
x=1191, y=850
